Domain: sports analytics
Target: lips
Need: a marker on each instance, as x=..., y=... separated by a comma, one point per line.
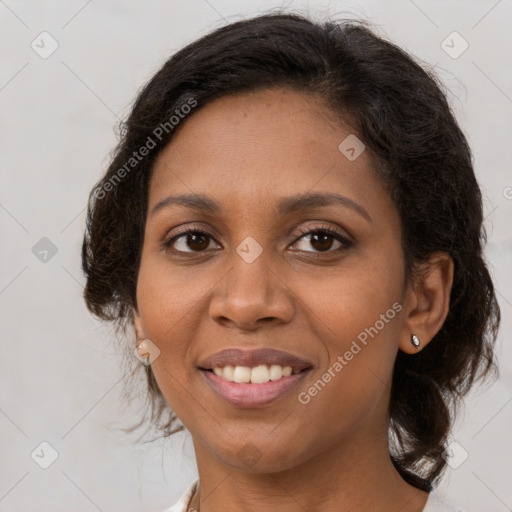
x=252, y=358
x=220, y=370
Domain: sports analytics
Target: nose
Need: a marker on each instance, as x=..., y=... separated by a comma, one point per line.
x=251, y=294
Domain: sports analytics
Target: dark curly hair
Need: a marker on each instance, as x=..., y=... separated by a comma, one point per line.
x=400, y=110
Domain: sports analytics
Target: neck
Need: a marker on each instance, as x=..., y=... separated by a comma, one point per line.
x=348, y=477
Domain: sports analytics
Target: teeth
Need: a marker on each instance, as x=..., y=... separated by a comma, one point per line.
x=260, y=374
x=257, y=375
x=229, y=372
x=276, y=372
x=287, y=371
x=242, y=374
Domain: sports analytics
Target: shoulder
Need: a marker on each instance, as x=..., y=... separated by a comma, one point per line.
x=182, y=504
x=436, y=503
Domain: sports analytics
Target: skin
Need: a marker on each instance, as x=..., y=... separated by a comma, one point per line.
x=246, y=152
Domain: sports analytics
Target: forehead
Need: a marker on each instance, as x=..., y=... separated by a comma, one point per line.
x=257, y=147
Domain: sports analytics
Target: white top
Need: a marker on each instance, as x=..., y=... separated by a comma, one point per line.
x=434, y=503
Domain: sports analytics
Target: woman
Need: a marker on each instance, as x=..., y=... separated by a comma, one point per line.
x=292, y=226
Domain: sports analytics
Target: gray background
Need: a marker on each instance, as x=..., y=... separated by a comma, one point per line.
x=61, y=375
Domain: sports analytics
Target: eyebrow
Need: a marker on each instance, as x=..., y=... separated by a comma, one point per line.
x=285, y=206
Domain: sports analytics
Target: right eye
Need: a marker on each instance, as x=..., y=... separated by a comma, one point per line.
x=195, y=240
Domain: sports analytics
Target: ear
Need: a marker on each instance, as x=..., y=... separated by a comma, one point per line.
x=427, y=301
x=137, y=323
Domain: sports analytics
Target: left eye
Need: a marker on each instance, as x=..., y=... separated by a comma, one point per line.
x=322, y=240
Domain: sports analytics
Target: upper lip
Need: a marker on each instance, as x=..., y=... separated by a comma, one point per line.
x=254, y=357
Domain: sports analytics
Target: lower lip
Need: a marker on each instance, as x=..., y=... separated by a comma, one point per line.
x=245, y=394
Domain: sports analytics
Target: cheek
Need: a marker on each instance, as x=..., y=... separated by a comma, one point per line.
x=357, y=297
x=169, y=306
x=350, y=392
x=357, y=314
x=168, y=296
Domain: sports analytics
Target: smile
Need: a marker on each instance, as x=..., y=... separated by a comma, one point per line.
x=257, y=375
x=253, y=378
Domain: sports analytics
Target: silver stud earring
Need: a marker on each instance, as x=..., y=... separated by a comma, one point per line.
x=415, y=340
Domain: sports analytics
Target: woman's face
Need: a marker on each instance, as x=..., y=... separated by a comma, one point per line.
x=259, y=277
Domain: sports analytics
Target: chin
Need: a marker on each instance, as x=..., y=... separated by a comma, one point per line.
x=259, y=456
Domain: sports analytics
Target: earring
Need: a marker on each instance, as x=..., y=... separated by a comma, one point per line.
x=143, y=353
x=415, y=340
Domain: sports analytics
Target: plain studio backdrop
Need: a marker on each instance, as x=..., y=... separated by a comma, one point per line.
x=69, y=72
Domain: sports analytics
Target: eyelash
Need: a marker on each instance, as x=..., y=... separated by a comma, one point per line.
x=340, y=237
